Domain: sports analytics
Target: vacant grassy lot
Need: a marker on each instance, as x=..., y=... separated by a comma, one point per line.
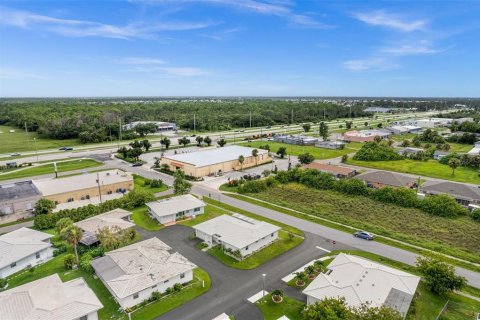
x=430, y=168
x=283, y=244
x=458, y=237
x=49, y=169
x=289, y=307
x=139, y=183
x=18, y=141
x=318, y=153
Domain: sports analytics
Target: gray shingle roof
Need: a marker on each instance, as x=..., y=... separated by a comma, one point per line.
x=457, y=190
x=386, y=178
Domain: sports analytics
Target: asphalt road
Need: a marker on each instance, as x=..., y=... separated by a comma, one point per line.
x=230, y=288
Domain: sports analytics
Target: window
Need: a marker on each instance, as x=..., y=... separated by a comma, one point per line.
x=182, y=275
x=83, y=318
x=13, y=265
x=196, y=209
x=37, y=255
x=246, y=248
x=135, y=296
x=180, y=214
x=272, y=234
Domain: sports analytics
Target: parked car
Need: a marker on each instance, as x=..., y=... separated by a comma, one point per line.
x=16, y=154
x=270, y=139
x=137, y=164
x=62, y=148
x=364, y=235
x=68, y=149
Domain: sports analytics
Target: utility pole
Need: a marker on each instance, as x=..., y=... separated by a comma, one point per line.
x=35, y=144
x=194, y=123
x=250, y=119
x=292, y=116
x=99, y=190
x=120, y=129
x=26, y=135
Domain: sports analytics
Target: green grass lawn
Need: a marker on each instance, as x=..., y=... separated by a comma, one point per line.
x=49, y=169
x=18, y=141
x=430, y=168
x=210, y=213
x=283, y=244
x=454, y=236
x=139, y=184
x=144, y=220
x=318, y=153
x=459, y=147
x=289, y=307
x=175, y=300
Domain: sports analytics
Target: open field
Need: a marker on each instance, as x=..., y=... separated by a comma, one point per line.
x=454, y=236
x=283, y=244
x=430, y=168
x=49, y=169
x=139, y=184
x=17, y=141
x=295, y=150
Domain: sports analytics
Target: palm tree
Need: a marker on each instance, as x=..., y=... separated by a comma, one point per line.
x=255, y=155
x=109, y=238
x=72, y=234
x=310, y=270
x=319, y=265
x=453, y=163
x=300, y=276
x=241, y=160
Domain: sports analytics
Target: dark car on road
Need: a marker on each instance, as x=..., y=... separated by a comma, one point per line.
x=364, y=235
x=68, y=149
x=137, y=164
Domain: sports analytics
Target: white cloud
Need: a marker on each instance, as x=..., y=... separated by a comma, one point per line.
x=371, y=64
x=81, y=28
x=389, y=20
x=185, y=71
x=420, y=48
x=140, y=61
x=154, y=65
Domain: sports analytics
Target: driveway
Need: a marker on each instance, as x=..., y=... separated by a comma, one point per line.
x=230, y=287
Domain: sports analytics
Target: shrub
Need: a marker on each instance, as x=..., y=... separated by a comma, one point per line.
x=439, y=277
x=85, y=263
x=372, y=151
x=60, y=249
x=315, y=179
x=69, y=261
x=156, y=183
x=44, y=206
x=353, y=186
x=147, y=182
x=305, y=158
x=97, y=252
x=177, y=287
x=442, y=205
x=400, y=196
x=156, y=295
x=169, y=291
x=3, y=283
x=256, y=186
x=476, y=215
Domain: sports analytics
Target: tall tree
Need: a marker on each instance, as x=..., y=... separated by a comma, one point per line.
x=282, y=151
x=44, y=206
x=165, y=141
x=454, y=163
x=306, y=127
x=323, y=130
x=146, y=145
x=180, y=183
x=241, y=160
x=439, y=277
x=199, y=140
x=222, y=142
x=184, y=141
x=255, y=155
x=72, y=234
x=208, y=141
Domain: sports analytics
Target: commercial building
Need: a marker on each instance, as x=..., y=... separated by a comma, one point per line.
x=365, y=135
x=360, y=281
x=50, y=298
x=336, y=171
x=169, y=210
x=377, y=110
x=237, y=233
x=298, y=140
x=85, y=186
x=22, y=248
x=17, y=200
x=160, y=125
x=134, y=272
x=214, y=161
x=337, y=144
x=380, y=179
x=463, y=193
x=115, y=220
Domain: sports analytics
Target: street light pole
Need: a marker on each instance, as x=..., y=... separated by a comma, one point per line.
x=263, y=278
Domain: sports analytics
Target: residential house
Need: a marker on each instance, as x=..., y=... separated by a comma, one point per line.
x=50, y=298
x=134, y=272
x=116, y=220
x=336, y=171
x=237, y=233
x=475, y=151
x=379, y=179
x=439, y=154
x=23, y=248
x=463, y=193
x=169, y=210
x=361, y=281
x=409, y=151
x=17, y=200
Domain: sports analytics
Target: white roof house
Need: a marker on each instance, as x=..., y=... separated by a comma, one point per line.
x=237, y=230
x=475, y=150
x=114, y=219
x=50, y=298
x=22, y=243
x=131, y=269
x=169, y=206
x=359, y=281
x=51, y=186
x=214, y=156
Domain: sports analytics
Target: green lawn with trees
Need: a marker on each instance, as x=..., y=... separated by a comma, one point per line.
x=43, y=169
x=289, y=307
x=149, y=185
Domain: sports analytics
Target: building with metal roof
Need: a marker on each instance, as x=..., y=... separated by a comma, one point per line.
x=50, y=298
x=17, y=200
x=360, y=281
x=22, y=248
x=169, y=210
x=134, y=272
x=237, y=232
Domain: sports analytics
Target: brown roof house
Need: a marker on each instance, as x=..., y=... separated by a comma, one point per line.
x=380, y=179
x=336, y=171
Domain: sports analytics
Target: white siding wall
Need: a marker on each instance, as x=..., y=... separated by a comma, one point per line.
x=205, y=237
x=45, y=255
x=92, y=316
x=171, y=218
x=161, y=287
x=311, y=300
x=259, y=244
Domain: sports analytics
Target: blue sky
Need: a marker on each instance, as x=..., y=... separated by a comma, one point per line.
x=239, y=48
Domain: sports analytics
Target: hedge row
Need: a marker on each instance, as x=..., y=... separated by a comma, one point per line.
x=439, y=205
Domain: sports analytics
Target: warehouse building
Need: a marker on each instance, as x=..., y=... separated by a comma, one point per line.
x=365, y=135
x=215, y=161
x=17, y=200
x=85, y=186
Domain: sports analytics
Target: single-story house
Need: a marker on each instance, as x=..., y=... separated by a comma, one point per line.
x=475, y=151
x=396, y=129
x=169, y=210
x=379, y=179
x=365, y=135
x=116, y=220
x=134, y=272
x=409, y=150
x=237, y=232
x=413, y=129
x=199, y=164
x=331, y=144
x=22, y=248
x=360, y=281
x=464, y=194
x=439, y=154
x=336, y=171
x=50, y=298
x=17, y=200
